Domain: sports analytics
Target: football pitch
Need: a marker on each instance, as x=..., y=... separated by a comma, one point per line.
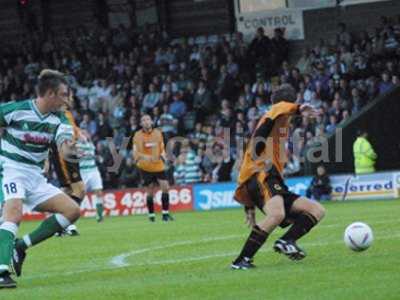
x=130, y=258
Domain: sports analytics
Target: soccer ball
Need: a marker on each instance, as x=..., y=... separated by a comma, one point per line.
x=358, y=236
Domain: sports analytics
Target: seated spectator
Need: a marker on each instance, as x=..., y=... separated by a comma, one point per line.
x=331, y=127
x=177, y=107
x=305, y=62
x=232, y=66
x=241, y=105
x=188, y=167
x=130, y=176
x=151, y=99
x=396, y=80
x=223, y=164
x=179, y=169
x=356, y=101
x=385, y=85
x=292, y=166
x=88, y=124
x=261, y=106
x=320, y=186
x=198, y=136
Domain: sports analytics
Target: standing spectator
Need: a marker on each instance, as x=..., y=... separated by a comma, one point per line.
x=260, y=47
x=202, y=101
x=103, y=129
x=343, y=37
x=364, y=155
x=280, y=47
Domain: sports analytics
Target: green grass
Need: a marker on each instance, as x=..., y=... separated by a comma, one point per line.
x=189, y=259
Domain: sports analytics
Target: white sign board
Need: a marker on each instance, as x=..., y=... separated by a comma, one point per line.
x=310, y=4
x=291, y=20
x=383, y=185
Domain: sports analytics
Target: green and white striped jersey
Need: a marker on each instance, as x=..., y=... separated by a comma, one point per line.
x=87, y=152
x=28, y=133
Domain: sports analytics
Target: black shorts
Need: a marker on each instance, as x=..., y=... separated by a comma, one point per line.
x=273, y=185
x=67, y=171
x=152, y=177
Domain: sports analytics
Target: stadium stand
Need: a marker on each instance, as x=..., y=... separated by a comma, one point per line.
x=197, y=87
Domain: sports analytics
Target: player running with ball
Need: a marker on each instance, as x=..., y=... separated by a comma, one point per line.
x=29, y=128
x=261, y=185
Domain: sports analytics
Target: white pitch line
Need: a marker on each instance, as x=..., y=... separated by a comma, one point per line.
x=119, y=261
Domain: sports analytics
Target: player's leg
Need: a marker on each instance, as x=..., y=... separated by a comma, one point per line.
x=71, y=182
x=1, y=211
x=307, y=213
x=95, y=184
x=1, y=199
x=149, y=190
x=148, y=180
x=164, y=186
x=76, y=191
x=98, y=193
x=275, y=214
x=65, y=212
x=12, y=216
x=14, y=190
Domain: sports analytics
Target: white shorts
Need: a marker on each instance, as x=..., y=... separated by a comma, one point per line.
x=31, y=186
x=92, y=180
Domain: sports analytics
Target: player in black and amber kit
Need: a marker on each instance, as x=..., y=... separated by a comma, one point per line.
x=149, y=155
x=261, y=185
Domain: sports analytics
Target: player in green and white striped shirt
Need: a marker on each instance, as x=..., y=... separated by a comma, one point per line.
x=89, y=172
x=29, y=128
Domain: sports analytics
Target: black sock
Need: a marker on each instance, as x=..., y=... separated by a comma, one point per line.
x=150, y=205
x=76, y=199
x=254, y=242
x=301, y=226
x=165, y=203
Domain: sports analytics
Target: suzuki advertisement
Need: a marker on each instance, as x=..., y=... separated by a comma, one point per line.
x=220, y=195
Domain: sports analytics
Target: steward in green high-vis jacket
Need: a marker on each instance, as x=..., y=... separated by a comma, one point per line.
x=364, y=155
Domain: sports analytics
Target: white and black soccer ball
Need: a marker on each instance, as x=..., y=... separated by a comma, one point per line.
x=358, y=236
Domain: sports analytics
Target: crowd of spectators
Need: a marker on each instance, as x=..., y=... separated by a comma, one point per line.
x=199, y=89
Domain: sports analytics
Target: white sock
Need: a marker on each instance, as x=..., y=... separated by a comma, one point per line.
x=63, y=221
